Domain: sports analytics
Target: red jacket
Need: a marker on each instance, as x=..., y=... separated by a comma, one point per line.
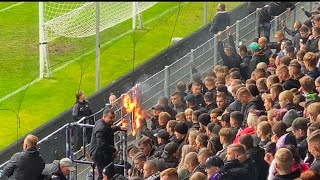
x=247, y=130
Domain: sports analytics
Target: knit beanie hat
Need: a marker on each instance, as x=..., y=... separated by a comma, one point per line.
x=181, y=128
x=204, y=119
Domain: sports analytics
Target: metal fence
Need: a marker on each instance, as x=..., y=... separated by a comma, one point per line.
x=164, y=82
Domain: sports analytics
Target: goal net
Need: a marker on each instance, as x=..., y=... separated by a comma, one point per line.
x=78, y=19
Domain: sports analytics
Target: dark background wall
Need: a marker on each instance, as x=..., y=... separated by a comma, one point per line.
x=54, y=148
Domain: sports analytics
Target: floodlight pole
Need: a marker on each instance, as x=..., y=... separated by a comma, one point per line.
x=97, y=46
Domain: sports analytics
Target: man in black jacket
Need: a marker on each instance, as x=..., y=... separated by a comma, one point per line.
x=299, y=128
x=102, y=148
x=27, y=164
x=221, y=20
x=284, y=163
x=229, y=55
x=238, y=165
x=58, y=169
x=248, y=103
x=257, y=154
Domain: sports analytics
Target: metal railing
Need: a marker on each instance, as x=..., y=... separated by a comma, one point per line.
x=204, y=57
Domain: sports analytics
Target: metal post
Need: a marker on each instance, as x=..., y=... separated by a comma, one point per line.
x=84, y=137
x=191, y=63
x=310, y=6
x=68, y=142
x=97, y=46
x=166, y=81
x=215, y=50
x=125, y=154
x=205, y=13
x=134, y=15
x=237, y=32
x=42, y=43
x=276, y=24
x=294, y=14
x=257, y=22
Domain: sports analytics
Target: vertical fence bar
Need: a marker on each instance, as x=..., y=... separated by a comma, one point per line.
x=276, y=24
x=294, y=14
x=257, y=22
x=237, y=32
x=191, y=62
x=166, y=81
x=310, y=6
x=215, y=50
x=205, y=13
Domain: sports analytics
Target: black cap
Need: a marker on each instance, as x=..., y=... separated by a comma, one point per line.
x=190, y=98
x=158, y=107
x=181, y=128
x=169, y=149
x=204, y=119
x=213, y=127
x=222, y=88
x=163, y=134
x=213, y=161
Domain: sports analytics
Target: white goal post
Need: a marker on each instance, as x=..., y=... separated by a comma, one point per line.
x=78, y=20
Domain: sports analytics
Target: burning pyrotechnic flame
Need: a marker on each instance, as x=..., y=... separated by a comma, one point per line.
x=132, y=106
x=128, y=103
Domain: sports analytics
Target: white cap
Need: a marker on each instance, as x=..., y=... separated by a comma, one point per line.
x=66, y=162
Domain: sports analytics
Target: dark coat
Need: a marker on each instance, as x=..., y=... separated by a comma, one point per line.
x=25, y=165
x=257, y=154
x=276, y=8
x=234, y=170
x=302, y=147
x=53, y=171
x=165, y=163
x=220, y=22
x=290, y=83
x=254, y=104
x=102, y=142
x=313, y=44
x=294, y=175
x=254, y=61
x=251, y=167
x=244, y=65
x=314, y=73
x=81, y=109
x=232, y=61
x=315, y=166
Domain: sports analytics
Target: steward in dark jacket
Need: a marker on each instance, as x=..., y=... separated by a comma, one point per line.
x=221, y=20
x=25, y=165
x=102, y=148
